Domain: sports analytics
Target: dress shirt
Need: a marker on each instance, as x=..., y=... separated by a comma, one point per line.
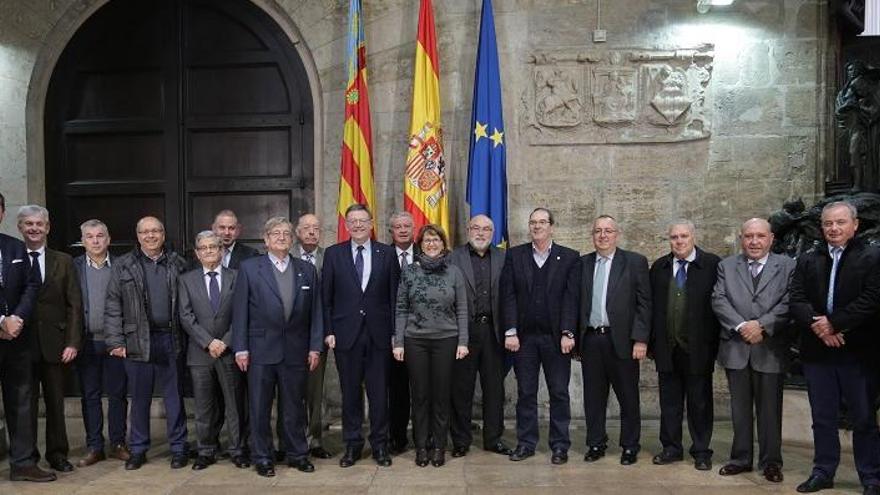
x=608, y=260
x=310, y=256
x=368, y=261
x=278, y=263
x=227, y=255
x=409, y=254
x=98, y=266
x=207, y=278
x=689, y=258
x=539, y=256
x=41, y=260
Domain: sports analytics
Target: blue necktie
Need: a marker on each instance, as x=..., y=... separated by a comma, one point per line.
x=214, y=291
x=681, y=275
x=835, y=260
x=596, y=318
x=359, y=265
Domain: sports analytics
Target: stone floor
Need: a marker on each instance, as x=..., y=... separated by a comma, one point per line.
x=479, y=472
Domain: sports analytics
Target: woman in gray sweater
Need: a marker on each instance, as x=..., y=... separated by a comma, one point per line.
x=430, y=334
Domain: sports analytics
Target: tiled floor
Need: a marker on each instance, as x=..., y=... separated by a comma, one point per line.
x=479, y=472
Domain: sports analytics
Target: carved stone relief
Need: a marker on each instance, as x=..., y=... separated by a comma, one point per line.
x=617, y=96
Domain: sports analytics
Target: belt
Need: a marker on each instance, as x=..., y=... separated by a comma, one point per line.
x=482, y=318
x=599, y=330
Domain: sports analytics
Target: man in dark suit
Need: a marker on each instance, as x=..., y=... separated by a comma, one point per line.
x=750, y=300
x=99, y=372
x=538, y=320
x=276, y=335
x=835, y=302
x=205, y=315
x=481, y=263
x=18, y=294
x=684, y=343
x=400, y=226
x=56, y=324
x=360, y=289
x=227, y=227
x=614, y=324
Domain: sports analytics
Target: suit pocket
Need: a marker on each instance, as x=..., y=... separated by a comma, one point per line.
x=132, y=343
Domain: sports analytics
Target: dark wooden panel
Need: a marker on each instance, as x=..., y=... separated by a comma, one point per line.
x=213, y=30
x=115, y=156
x=252, y=209
x=119, y=212
x=239, y=153
x=236, y=90
x=109, y=95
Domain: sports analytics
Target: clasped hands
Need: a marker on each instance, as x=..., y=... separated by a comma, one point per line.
x=11, y=327
x=752, y=332
x=823, y=329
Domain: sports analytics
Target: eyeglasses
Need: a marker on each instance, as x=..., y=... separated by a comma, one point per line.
x=209, y=249
x=151, y=231
x=477, y=228
x=359, y=221
x=280, y=234
x=541, y=222
x=432, y=241
x=604, y=231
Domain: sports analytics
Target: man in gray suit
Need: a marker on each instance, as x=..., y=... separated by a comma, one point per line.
x=751, y=301
x=205, y=312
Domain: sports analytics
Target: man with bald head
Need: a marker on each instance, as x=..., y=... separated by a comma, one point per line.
x=750, y=300
x=141, y=325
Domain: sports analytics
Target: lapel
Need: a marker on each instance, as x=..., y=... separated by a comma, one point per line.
x=618, y=265
x=298, y=279
x=225, y=284
x=375, y=262
x=265, y=268
x=771, y=268
x=464, y=262
x=742, y=268
x=665, y=275
x=529, y=262
x=5, y=260
x=497, y=262
x=587, y=276
x=348, y=261
x=553, y=263
x=51, y=264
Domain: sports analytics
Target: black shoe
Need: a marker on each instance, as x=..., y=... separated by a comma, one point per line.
x=350, y=457
x=179, y=460
x=733, y=469
x=629, y=456
x=872, y=490
x=421, y=457
x=460, y=451
x=815, y=483
x=381, y=457
x=521, y=453
x=202, y=462
x=241, y=461
x=302, y=464
x=135, y=461
x=61, y=465
x=559, y=457
x=773, y=473
x=500, y=448
x=31, y=473
x=703, y=464
x=593, y=454
x=438, y=458
x=266, y=469
x=320, y=453
x=666, y=457
x=280, y=456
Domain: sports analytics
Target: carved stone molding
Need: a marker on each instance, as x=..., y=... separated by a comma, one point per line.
x=622, y=95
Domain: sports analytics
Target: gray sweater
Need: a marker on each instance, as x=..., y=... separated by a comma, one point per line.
x=431, y=305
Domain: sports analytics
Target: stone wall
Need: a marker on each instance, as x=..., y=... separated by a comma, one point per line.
x=752, y=78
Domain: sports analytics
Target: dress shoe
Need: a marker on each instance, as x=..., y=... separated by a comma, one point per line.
x=733, y=469
x=320, y=453
x=815, y=483
x=135, y=461
x=241, y=461
x=703, y=464
x=500, y=448
x=202, y=462
x=302, y=464
x=350, y=457
x=521, y=453
x=266, y=469
x=460, y=451
x=61, y=465
x=280, y=456
x=31, y=473
x=438, y=457
x=421, y=457
x=629, y=456
x=382, y=457
x=773, y=473
x=179, y=460
x=93, y=457
x=666, y=457
x=593, y=454
x=559, y=457
x=872, y=490
x=120, y=451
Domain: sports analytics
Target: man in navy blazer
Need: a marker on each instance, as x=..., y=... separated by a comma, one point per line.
x=276, y=334
x=359, y=280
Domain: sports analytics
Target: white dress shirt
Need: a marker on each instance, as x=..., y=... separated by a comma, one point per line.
x=280, y=264
x=689, y=258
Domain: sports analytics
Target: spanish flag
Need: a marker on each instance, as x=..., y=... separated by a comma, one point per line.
x=424, y=185
x=356, y=176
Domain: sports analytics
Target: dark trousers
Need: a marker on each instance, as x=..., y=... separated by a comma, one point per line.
x=216, y=385
x=364, y=364
x=855, y=384
x=430, y=362
x=290, y=379
x=314, y=408
x=16, y=377
x=603, y=370
x=750, y=391
x=99, y=374
x=485, y=356
x=398, y=402
x=50, y=377
x=535, y=352
x=676, y=388
x=165, y=368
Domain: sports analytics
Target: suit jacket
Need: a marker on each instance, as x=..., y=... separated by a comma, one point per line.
x=18, y=287
x=856, y=308
x=295, y=251
x=197, y=317
x=79, y=263
x=241, y=252
x=461, y=257
x=701, y=323
x=57, y=321
x=348, y=310
x=627, y=302
x=258, y=322
x=516, y=287
x=736, y=300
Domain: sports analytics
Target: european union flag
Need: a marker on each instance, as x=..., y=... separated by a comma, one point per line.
x=487, y=163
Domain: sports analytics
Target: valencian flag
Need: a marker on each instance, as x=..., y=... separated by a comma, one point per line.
x=356, y=176
x=487, y=163
x=424, y=190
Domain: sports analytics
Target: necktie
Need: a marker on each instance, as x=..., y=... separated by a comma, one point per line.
x=227, y=255
x=596, y=318
x=309, y=257
x=835, y=260
x=681, y=275
x=754, y=268
x=359, y=265
x=404, y=260
x=35, y=266
x=214, y=291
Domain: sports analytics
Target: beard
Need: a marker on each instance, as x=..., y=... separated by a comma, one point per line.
x=480, y=245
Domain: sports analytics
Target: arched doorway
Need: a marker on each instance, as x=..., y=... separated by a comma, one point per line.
x=177, y=108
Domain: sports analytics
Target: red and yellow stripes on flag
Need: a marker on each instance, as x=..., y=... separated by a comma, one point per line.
x=356, y=176
x=424, y=191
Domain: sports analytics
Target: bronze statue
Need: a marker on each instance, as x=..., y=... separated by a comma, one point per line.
x=857, y=112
